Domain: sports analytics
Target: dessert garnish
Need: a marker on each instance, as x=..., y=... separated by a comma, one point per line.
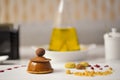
x=86, y=69
x=70, y=65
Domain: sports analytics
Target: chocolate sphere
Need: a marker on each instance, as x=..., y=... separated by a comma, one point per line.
x=40, y=52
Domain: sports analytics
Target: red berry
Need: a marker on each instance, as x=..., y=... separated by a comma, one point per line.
x=97, y=66
x=9, y=69
x=1, y=70
x=101, y=68
x=16, y=67
x=106, y=66
x=92, y=68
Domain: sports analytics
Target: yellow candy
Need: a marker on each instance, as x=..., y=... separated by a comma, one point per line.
x=68, y=72
x=86, y=64
x=70, y=65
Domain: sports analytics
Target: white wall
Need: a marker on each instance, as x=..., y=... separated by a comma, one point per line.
x=88, y=32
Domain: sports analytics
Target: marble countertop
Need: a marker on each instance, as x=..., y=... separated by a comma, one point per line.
x=18, y=67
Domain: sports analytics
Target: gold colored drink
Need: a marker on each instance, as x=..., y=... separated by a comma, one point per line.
x=64, y=39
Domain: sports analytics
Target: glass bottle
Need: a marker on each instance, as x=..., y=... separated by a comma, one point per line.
x=64, y=35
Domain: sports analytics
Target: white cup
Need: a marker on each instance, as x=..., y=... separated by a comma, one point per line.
x=112, y=45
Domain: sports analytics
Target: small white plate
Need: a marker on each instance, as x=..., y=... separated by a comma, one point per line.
x=57, y=56
x=3, y=58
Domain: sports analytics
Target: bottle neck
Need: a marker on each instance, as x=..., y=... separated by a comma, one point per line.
x=64, y=16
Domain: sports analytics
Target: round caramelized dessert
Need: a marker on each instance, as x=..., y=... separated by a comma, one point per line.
x=39, y=64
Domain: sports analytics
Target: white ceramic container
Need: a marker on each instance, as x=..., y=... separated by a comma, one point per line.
x=112, y=45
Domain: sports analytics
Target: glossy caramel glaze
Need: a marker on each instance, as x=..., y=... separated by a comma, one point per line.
x=39, y=67
x=39, y=64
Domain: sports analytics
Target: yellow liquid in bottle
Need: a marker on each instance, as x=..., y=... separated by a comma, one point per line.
x=64, y=39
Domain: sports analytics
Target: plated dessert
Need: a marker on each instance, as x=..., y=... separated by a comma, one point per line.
x=39, y=64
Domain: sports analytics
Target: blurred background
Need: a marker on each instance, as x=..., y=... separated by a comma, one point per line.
x=93, y=18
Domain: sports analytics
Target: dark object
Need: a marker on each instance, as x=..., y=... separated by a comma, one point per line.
x=9, y=41
x=40, y=52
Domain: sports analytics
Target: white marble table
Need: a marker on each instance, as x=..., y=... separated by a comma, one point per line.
x=18, y=68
